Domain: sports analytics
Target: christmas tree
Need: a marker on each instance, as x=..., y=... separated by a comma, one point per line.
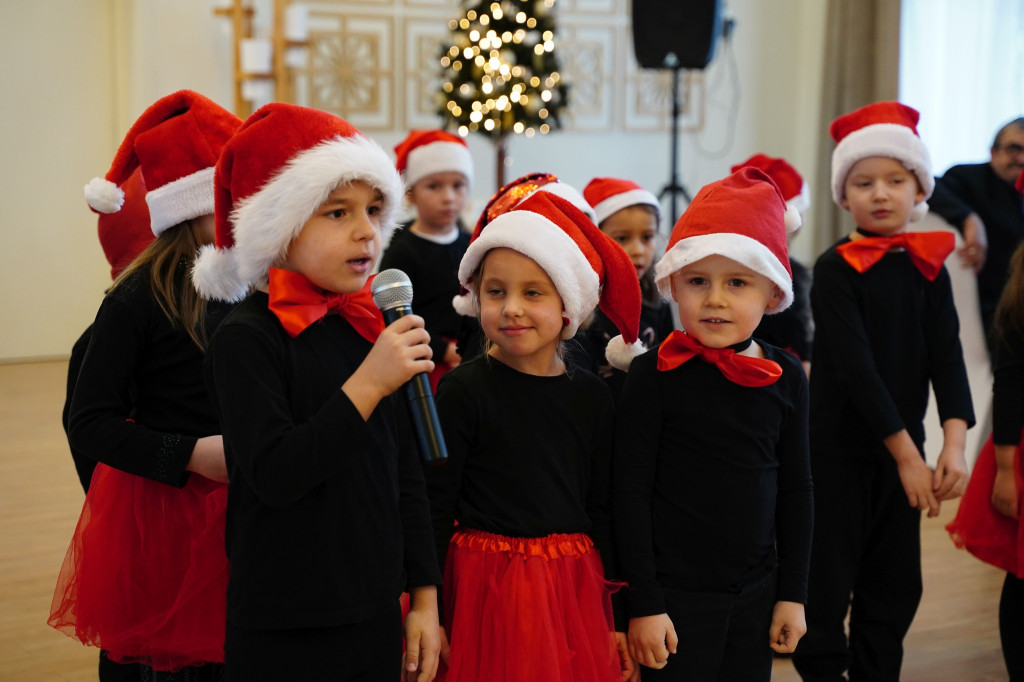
x=500, y=71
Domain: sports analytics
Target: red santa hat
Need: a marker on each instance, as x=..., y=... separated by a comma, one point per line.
x=792, y=185
x=881, y=129
x=175, y=142
x=425, y=152
x=126, y=233
x=610, y=195
x=586, y=266
x=742, y=217
x=279, y=167
x=506, y=199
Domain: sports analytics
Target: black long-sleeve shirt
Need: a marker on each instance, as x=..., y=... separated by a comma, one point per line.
x=975, y=187
x=712, y=481
x=139, y=402
x=328, y=519
x=433, y=270
x=655, y=325
x=528, y=455
x=880, y=338
x=1008, y=390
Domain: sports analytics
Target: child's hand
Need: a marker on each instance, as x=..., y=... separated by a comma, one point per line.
x=652, y=639
x=788, y=626
x=446, y=649
x=915, y=475
x=1005, y=496
x=916, y=478
x=630, y=671
x=950, y=478
x=207, y=459
x=422, y=636
x=402, y=351
x=451, y=355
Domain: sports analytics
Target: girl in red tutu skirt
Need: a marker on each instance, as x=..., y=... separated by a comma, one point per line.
x=987, y=523
x=146, y=573
x=527, y=571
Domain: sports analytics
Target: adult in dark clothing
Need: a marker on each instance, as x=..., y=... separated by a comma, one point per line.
x=979, y=200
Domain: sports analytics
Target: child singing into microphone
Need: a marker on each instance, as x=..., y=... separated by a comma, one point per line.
x=529, y=447
x=327, y=512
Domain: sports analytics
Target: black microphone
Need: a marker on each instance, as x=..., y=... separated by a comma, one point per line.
x=392, y=292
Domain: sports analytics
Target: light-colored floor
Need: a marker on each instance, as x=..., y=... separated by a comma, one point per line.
x=955, y=635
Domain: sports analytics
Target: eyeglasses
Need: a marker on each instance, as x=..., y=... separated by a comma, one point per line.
x=1013, y=149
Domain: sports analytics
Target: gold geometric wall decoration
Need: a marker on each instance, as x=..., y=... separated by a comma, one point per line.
x=374, y=62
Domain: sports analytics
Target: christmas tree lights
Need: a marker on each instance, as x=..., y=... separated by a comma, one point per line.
x=500, y=70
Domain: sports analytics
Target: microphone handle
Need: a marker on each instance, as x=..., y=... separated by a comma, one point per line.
x=422, y=411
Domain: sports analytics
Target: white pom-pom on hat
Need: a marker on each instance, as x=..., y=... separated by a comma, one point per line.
x=104, y=196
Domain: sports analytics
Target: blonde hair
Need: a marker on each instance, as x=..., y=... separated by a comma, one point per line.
x=177, y=298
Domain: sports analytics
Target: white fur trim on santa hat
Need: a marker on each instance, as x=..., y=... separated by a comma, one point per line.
x=570, y=194
x=620, y=355
x=180, y=200
x=104, y=196
x=891, y=140
x=264, y=223
x=438, y=157
x=536, y=237
x=617, y=202
x=743, y=249
x=801, y=202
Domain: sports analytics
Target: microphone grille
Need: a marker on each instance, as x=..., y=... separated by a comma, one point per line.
x=391, y=288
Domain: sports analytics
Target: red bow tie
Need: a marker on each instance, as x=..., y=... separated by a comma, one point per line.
x=927, y=250
x=298, y=303
x=739, y=369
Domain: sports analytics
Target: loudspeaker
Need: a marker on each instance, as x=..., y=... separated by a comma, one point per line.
x=687, y=29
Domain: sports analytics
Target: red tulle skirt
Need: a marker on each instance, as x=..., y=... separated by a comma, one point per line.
x=979, y=528
x=527, y=609
x=146, y=574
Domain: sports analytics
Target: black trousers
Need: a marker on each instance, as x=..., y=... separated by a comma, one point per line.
x=865, y=560
x=365, y=652
x=1011, y=626
x=723, y=637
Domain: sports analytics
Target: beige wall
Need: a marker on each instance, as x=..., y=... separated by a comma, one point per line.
x=78, y=72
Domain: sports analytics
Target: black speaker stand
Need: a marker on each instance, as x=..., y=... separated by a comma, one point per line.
x=675, y=187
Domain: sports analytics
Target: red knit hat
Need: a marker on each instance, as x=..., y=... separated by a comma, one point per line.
x=175, y=142
x=126, y=234
x=279, y=167
x=792, y=185
x=586, y=266
x=610, y=195
x=742, y=217
x=881, y=129
x=424, y=152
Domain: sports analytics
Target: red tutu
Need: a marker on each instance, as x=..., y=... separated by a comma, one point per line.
x=979, y=528
x=525, y=609
x=146, y=574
